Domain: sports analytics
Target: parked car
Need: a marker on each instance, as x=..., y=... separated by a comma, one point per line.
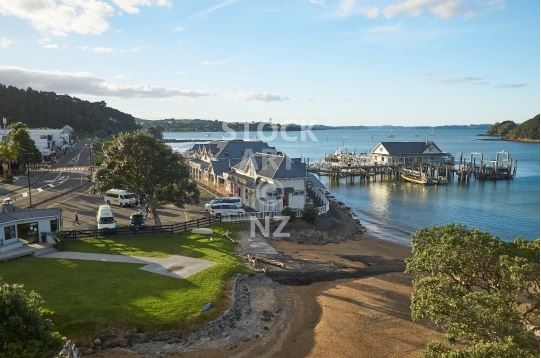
x=105, y=218
x=225, y=200
x=222, y=209
x=137, y=220
x=119, y=197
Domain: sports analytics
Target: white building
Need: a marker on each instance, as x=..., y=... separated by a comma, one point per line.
x=407, y=153
x=268, y=182
x=24, y=226
x=48, y=141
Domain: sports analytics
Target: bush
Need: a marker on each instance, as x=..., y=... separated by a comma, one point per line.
x=59, y=241
x=23, y=330
x=287, y=211
x=310, y=214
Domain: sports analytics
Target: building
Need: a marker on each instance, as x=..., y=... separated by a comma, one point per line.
x=25, y=226
x=48, y=141
x=209, y=161
x=408, y=153
x=268, y=182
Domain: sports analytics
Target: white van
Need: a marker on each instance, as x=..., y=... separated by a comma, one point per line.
x=225, y=200
x=105, y=218
x=222, y=209
x=119, y=197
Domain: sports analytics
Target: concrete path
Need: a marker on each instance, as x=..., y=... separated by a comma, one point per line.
x=255, y=245
x=173, y=266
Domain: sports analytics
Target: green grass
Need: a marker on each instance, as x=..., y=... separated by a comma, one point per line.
x=86, y=297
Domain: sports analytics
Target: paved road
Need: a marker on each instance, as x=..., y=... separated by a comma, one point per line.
x=67, y=187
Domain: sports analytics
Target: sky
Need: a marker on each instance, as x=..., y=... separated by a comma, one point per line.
x=335, y=62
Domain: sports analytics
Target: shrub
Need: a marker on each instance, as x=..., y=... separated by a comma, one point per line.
x=24, y=332
x=287, y=211
x=310, y=213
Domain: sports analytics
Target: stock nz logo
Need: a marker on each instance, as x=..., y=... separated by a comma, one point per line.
x=270, y=197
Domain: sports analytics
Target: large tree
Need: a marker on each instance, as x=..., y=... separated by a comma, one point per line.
x=19, y=137
x=137, y=161
x=23, y=330
x=483, y=293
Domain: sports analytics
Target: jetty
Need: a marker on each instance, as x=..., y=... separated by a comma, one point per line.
x=428, y=166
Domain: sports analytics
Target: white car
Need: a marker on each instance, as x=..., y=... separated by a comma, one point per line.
x=225, y=200
x=119, y=197
x=222, y=209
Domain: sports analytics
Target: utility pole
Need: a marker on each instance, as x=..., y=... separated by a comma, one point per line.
x=28, y=177
x=91, y=158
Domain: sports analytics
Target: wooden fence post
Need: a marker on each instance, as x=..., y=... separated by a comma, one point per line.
x=209, y=220
x=185, y=227
x=197, y=223
x=74, y=234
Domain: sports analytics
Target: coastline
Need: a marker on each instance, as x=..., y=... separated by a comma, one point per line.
x=356, y=303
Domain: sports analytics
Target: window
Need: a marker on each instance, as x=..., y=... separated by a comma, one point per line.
x=43, y=136
x=54, y=225
x=112, y=195
x=298, y=192
x=9, y=232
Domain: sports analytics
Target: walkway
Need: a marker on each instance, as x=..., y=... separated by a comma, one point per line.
x=173, y=266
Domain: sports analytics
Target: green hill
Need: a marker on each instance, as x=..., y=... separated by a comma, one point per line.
x=40, y=109
x=528, y=130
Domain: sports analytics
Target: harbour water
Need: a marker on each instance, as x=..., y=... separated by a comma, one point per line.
x=393, y=210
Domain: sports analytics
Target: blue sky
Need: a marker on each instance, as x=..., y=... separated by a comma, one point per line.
x=355, y=62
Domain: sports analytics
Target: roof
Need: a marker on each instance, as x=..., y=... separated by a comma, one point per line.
x=274, y=166
x=233, y=149
x=397, y=148
x=11, y=213
x=222, y=165
x=316, y=183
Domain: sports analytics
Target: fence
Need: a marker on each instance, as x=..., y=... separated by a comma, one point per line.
x=319, y=194
x=125, y=230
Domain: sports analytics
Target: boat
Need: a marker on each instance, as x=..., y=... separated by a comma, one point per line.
x=391, y=135
x=432, y=133
x=414, y=176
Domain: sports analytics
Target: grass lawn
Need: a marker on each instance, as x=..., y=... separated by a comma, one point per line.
x=86, y=297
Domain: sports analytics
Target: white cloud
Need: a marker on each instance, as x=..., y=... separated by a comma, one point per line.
x=132, y=6
x=444, y=9
x=264, y=97
x=177, y=29
x=511, y=85
x=107, y=50
x=84, y=83
x=215, y=8
x=5, y=42
x=57, y=17
x=463, y=79
x=47, y=44
x=318, y=2
x=222, y=61
x=60, y=17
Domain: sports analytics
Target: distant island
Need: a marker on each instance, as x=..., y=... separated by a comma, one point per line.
x=207, y=125
x=527, y=131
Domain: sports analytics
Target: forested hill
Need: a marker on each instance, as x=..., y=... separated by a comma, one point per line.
x=50, y=110
x=528, y=130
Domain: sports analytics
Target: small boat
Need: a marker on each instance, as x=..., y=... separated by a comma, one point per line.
x=417, y=177
x=432, y=133
x=391, y=135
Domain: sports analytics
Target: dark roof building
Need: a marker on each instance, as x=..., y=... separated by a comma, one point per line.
x=394, y=153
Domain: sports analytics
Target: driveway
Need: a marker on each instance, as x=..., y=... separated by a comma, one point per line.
x=173, y=266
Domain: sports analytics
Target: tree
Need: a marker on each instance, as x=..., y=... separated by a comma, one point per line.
x=137, y=161
x=483, y=293
x=9, y=152
x=23, y=330
x=19, y=137
x=156, y=132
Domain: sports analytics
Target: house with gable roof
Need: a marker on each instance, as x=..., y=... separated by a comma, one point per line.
x=268, y=182
x=209, y=161
x=408, y=153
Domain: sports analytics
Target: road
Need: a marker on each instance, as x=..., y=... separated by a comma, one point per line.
x=66, y=186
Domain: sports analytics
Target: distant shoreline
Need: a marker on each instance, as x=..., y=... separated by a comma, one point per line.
x=497, y=138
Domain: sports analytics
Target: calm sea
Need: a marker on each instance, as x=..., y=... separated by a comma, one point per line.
x=393, y=210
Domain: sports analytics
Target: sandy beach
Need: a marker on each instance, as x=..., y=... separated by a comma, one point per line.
x=366, y=315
